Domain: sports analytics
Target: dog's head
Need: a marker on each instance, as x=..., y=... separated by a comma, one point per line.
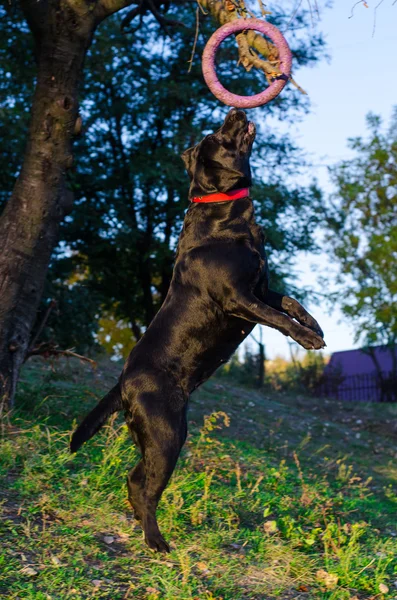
x=220, y=162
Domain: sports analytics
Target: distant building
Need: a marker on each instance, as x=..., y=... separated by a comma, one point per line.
x=359, y=362
x=356, y=375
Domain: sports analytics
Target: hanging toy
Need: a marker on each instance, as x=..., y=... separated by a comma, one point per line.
x=276, y=85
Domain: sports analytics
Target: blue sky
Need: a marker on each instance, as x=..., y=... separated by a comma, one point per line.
x=361, y=77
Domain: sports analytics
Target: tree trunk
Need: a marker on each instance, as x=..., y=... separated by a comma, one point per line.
x=30, y=221
x=261, y=358
x=136, y=330
x=381, y=380
x=261, y=376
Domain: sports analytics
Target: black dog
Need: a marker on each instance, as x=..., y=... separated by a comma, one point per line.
x=219, y=291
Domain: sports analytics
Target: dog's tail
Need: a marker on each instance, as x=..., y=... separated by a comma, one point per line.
x=93, y=422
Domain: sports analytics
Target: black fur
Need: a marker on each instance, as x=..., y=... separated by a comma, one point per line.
x=93, y=422
x=219, y=291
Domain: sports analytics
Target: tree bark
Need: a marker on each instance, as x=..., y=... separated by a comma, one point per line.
x=261, y=375
x=40, y=199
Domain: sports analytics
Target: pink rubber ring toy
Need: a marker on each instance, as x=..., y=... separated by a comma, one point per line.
x=208, y=63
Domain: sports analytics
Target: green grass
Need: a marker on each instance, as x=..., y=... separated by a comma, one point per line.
x=273, y=497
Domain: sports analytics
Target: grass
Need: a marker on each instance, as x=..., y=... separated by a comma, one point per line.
x=273, y=497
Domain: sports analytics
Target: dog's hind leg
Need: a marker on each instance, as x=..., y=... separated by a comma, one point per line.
x=159, y=465
x=292, y=308
x=161, y=440
x=136, y=484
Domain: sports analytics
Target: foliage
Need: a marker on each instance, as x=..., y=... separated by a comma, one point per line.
x=301, y=374
x=17, y=72
x=257, y=508
x=114, y=335
x=244, y=371
x=130, y=212
x=363, y=233
x=141, y=108
x=73, y=322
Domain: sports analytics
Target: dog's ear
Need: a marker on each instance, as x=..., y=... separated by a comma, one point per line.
x=187, y=158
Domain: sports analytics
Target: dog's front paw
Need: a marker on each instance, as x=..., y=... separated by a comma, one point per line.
x=309, y=339
x=311, y=323
x=314, y=326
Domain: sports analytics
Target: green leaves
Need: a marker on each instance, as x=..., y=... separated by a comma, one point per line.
x=362, y=234
x=141, y=108
x=17, y=72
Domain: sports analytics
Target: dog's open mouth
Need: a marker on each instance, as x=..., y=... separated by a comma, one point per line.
x=251, y=128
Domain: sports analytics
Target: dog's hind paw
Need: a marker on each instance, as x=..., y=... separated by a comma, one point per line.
x=157, y=543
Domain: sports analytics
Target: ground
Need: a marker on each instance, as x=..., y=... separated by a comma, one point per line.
x=274, y=496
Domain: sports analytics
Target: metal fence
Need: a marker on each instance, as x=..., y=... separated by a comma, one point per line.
x=368, y=387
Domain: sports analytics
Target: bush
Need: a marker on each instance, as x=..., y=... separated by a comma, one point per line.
x=303, y=375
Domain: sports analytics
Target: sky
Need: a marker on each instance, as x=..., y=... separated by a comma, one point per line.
x=361, y=77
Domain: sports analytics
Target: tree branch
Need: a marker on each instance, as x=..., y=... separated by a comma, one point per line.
x=248, y=41
x=222, y=11
x=41, y=326
x=46, y=350
x=36, y=15
x=217, y=10
x=105, y=8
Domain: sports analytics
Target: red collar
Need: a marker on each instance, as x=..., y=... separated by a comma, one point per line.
x=221, y=197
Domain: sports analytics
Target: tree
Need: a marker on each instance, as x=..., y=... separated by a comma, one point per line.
x=362, y=220
x=260, y=358
x=29, y=225
x=131, y=184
